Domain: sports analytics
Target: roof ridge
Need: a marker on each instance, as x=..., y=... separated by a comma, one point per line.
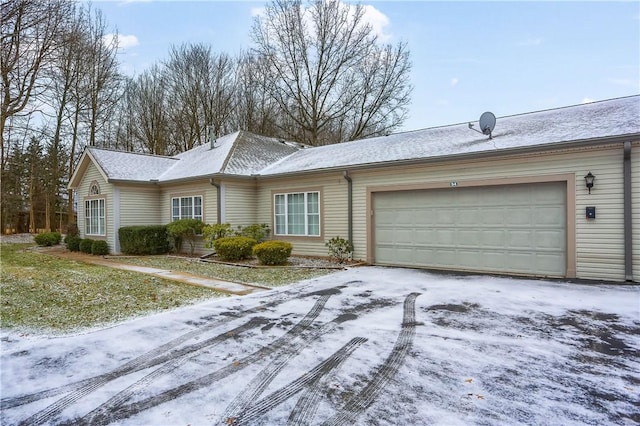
x=570, y=106
x=120, y=151
x=234, y=145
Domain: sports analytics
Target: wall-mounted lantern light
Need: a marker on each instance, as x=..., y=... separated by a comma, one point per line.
x=588, y=179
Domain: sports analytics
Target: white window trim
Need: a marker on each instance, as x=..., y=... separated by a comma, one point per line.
x=193, y=216
x=306, y=214
x=102, y=219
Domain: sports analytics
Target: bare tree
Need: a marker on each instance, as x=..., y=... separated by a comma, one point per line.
x=330, y=78
x=254, y=110
x=202, y=91
x=147, y=101
x=102, y=76
x=66, y=96
x=30, y=35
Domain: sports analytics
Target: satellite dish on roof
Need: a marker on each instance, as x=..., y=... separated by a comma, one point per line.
x=487, y=123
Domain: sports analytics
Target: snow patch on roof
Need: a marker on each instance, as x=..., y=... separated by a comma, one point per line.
x=201, y=160
x=616, y=117
x=130, y=166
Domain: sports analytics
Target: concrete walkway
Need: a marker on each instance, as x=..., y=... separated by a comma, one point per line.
x=218, y=285
x=183, y=277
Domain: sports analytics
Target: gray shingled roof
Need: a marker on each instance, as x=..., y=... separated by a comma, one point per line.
x=129, y=166
x=616, y=117
x=239, y=153
x=246, y=154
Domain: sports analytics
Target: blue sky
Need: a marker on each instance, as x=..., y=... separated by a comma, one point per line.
x=508, y=57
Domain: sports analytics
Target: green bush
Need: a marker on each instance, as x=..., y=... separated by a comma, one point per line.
x=72, y=231
x=99, y=248
x=339, y=249
x=214, y=232
x=273, y=252
x=73, y=242
x=86, y=245
x=185, y=230
x=144, y=240
x=48, y=239
x=234, y=248
x=259, y=232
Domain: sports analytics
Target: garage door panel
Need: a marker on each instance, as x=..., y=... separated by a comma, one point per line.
x=549, y=216
x=519, y=239
x=518, y=216
x=511, y=229
x=491, y=216
x=550, y=240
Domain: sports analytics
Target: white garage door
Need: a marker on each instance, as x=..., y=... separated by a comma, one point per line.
x=519, y=229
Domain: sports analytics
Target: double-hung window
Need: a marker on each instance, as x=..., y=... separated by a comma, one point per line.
x=297, y=213
x=94, y=217
x=186, y=208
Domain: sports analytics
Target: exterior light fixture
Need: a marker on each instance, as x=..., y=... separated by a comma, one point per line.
x=588, y=179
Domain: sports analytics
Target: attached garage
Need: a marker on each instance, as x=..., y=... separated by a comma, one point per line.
x=511, y=229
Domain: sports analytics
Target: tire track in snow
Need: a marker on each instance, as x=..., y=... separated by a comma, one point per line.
x=126, y=411
x=172, y=363
x=383, y=374
x=142, y=361
x=311, y=379
x=52, y=410
x=256, y=386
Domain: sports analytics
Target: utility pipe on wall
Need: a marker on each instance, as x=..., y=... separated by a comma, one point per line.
x=349, y=207
x=628, y=236
x=218, y=201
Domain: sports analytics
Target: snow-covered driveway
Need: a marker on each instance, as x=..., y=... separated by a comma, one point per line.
x=364, y=346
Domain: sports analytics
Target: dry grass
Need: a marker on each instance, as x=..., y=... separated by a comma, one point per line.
x=53, y=295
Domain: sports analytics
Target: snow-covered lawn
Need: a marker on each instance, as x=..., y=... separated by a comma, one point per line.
x=364, y=346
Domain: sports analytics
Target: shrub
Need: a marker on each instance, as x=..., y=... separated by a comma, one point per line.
x=144, y=240
x=273, y=252
x=339, y=249
x=185, y=230
x=234, y=248
x=259, y=232
x=72, y=231
x=73, y=242
x=99, y=248
x=214, y=232
x=86, y=245
x=48, y=239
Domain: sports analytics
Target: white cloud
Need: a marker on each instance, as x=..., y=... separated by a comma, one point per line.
x=258, y=11
x=587, y=100
x=531, y=42
x=123, y=41
x=378, y=22
x=454, y=81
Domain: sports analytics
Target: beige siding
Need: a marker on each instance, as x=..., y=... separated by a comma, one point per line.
x=107, y=191
x=140, y=206
x=635, y=208
x=599, y=243
x=240, y=207
x=333, y=209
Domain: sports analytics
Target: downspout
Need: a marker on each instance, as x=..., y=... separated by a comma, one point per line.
x=349, y=207
x=218, y=201
x=628, y=263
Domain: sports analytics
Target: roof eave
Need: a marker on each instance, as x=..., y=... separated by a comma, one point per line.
x=216, y=175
